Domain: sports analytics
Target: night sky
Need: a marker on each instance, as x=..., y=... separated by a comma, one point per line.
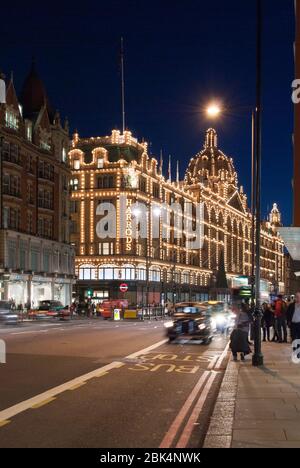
x=179, y=56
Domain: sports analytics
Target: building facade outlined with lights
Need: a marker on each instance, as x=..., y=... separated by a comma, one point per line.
x=105, y=169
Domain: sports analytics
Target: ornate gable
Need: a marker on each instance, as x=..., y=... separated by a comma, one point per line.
x=236, y=202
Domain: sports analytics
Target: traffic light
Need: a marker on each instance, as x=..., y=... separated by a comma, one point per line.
x=90, y=293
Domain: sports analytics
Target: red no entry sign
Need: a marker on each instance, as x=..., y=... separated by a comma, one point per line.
x=123, y=287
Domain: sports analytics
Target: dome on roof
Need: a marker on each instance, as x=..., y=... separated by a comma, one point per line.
x=210, y=163
x=33, y=95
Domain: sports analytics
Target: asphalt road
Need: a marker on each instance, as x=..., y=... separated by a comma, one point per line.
x=104, y=384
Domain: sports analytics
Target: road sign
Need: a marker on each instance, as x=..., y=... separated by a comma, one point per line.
x=123, y=287
x=117, y=314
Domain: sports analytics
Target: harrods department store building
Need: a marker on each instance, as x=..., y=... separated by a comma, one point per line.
x=106, y=168
x=36, y=258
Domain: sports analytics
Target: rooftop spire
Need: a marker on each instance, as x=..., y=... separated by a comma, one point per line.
x=211, y=140
x=33, y=95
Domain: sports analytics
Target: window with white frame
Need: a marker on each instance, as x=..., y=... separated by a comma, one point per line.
x=106, y=248
x=154, y=275
x=100, y=163
x=76, y=164
x=87, y=272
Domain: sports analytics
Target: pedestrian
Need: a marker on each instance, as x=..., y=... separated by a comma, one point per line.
x=239, y=342
x=244, y=318
x=293, y=319
x=280, y=311
x=267, y=321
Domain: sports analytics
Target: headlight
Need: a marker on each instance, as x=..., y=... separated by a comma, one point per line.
x=220, y=319
x=169, y=324
x=202, y=326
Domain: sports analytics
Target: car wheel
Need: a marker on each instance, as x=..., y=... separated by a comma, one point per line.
x=208, y=341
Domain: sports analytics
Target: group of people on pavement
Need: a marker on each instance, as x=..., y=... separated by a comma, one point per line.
x=278, y=318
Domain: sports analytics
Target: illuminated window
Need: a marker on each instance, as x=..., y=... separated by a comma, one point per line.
x=128, y=272
x=74, y=184
x=87, y=272
x=45, y=145
x=106, y=248
x=100, y=163
x=141, y=273
x=64, y=155
x=29, y=131
x=76, y=164
x=154, y=275
x=11, y=120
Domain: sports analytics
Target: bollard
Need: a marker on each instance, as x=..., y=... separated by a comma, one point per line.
x=2, y=352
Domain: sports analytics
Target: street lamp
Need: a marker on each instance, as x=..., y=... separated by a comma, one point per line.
x=258, y=359
x=213, y=110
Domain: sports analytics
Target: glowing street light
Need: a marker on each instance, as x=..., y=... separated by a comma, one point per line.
x=213, y=110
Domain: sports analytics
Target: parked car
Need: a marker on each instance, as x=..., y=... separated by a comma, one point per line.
x=191, y=320
x=7, y=315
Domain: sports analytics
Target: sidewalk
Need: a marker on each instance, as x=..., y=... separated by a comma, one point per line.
x=258, y=407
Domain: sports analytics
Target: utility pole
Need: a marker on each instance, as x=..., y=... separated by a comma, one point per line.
x=253, y=191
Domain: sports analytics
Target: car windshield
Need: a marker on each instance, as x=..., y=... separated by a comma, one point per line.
x=50, y=304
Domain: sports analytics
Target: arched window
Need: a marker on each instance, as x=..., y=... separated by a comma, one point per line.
x=109, y=272
x=141, y=273
x=154, y=274
x=186, y=277
x=87, y=272
x=128, y=272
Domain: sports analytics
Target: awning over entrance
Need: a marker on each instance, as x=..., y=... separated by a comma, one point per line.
x=291, y=237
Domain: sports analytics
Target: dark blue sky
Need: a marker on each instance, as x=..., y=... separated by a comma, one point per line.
x=179, y=55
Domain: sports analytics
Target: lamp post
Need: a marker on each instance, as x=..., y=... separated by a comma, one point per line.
x=257, y=359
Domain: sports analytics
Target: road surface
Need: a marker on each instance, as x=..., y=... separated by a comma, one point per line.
x=102, y=384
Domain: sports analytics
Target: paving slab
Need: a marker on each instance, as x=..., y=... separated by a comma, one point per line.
x=258, y=406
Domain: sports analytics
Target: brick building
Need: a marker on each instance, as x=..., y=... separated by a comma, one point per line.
x=36, y=259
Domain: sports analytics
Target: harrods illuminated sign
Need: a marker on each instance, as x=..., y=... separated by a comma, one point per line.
x=128, y=225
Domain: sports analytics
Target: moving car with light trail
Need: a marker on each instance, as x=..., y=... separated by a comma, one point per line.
x=7, y=315
x=48, y=309
x=222, y=316
x=191, y=320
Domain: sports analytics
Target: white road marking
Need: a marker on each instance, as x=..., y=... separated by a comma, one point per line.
x=172, y=432
x=222, y=357
x=187, y=432
x=146, y=350
x=38, y=399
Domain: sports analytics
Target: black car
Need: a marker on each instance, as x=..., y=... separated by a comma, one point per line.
x=191, y=320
